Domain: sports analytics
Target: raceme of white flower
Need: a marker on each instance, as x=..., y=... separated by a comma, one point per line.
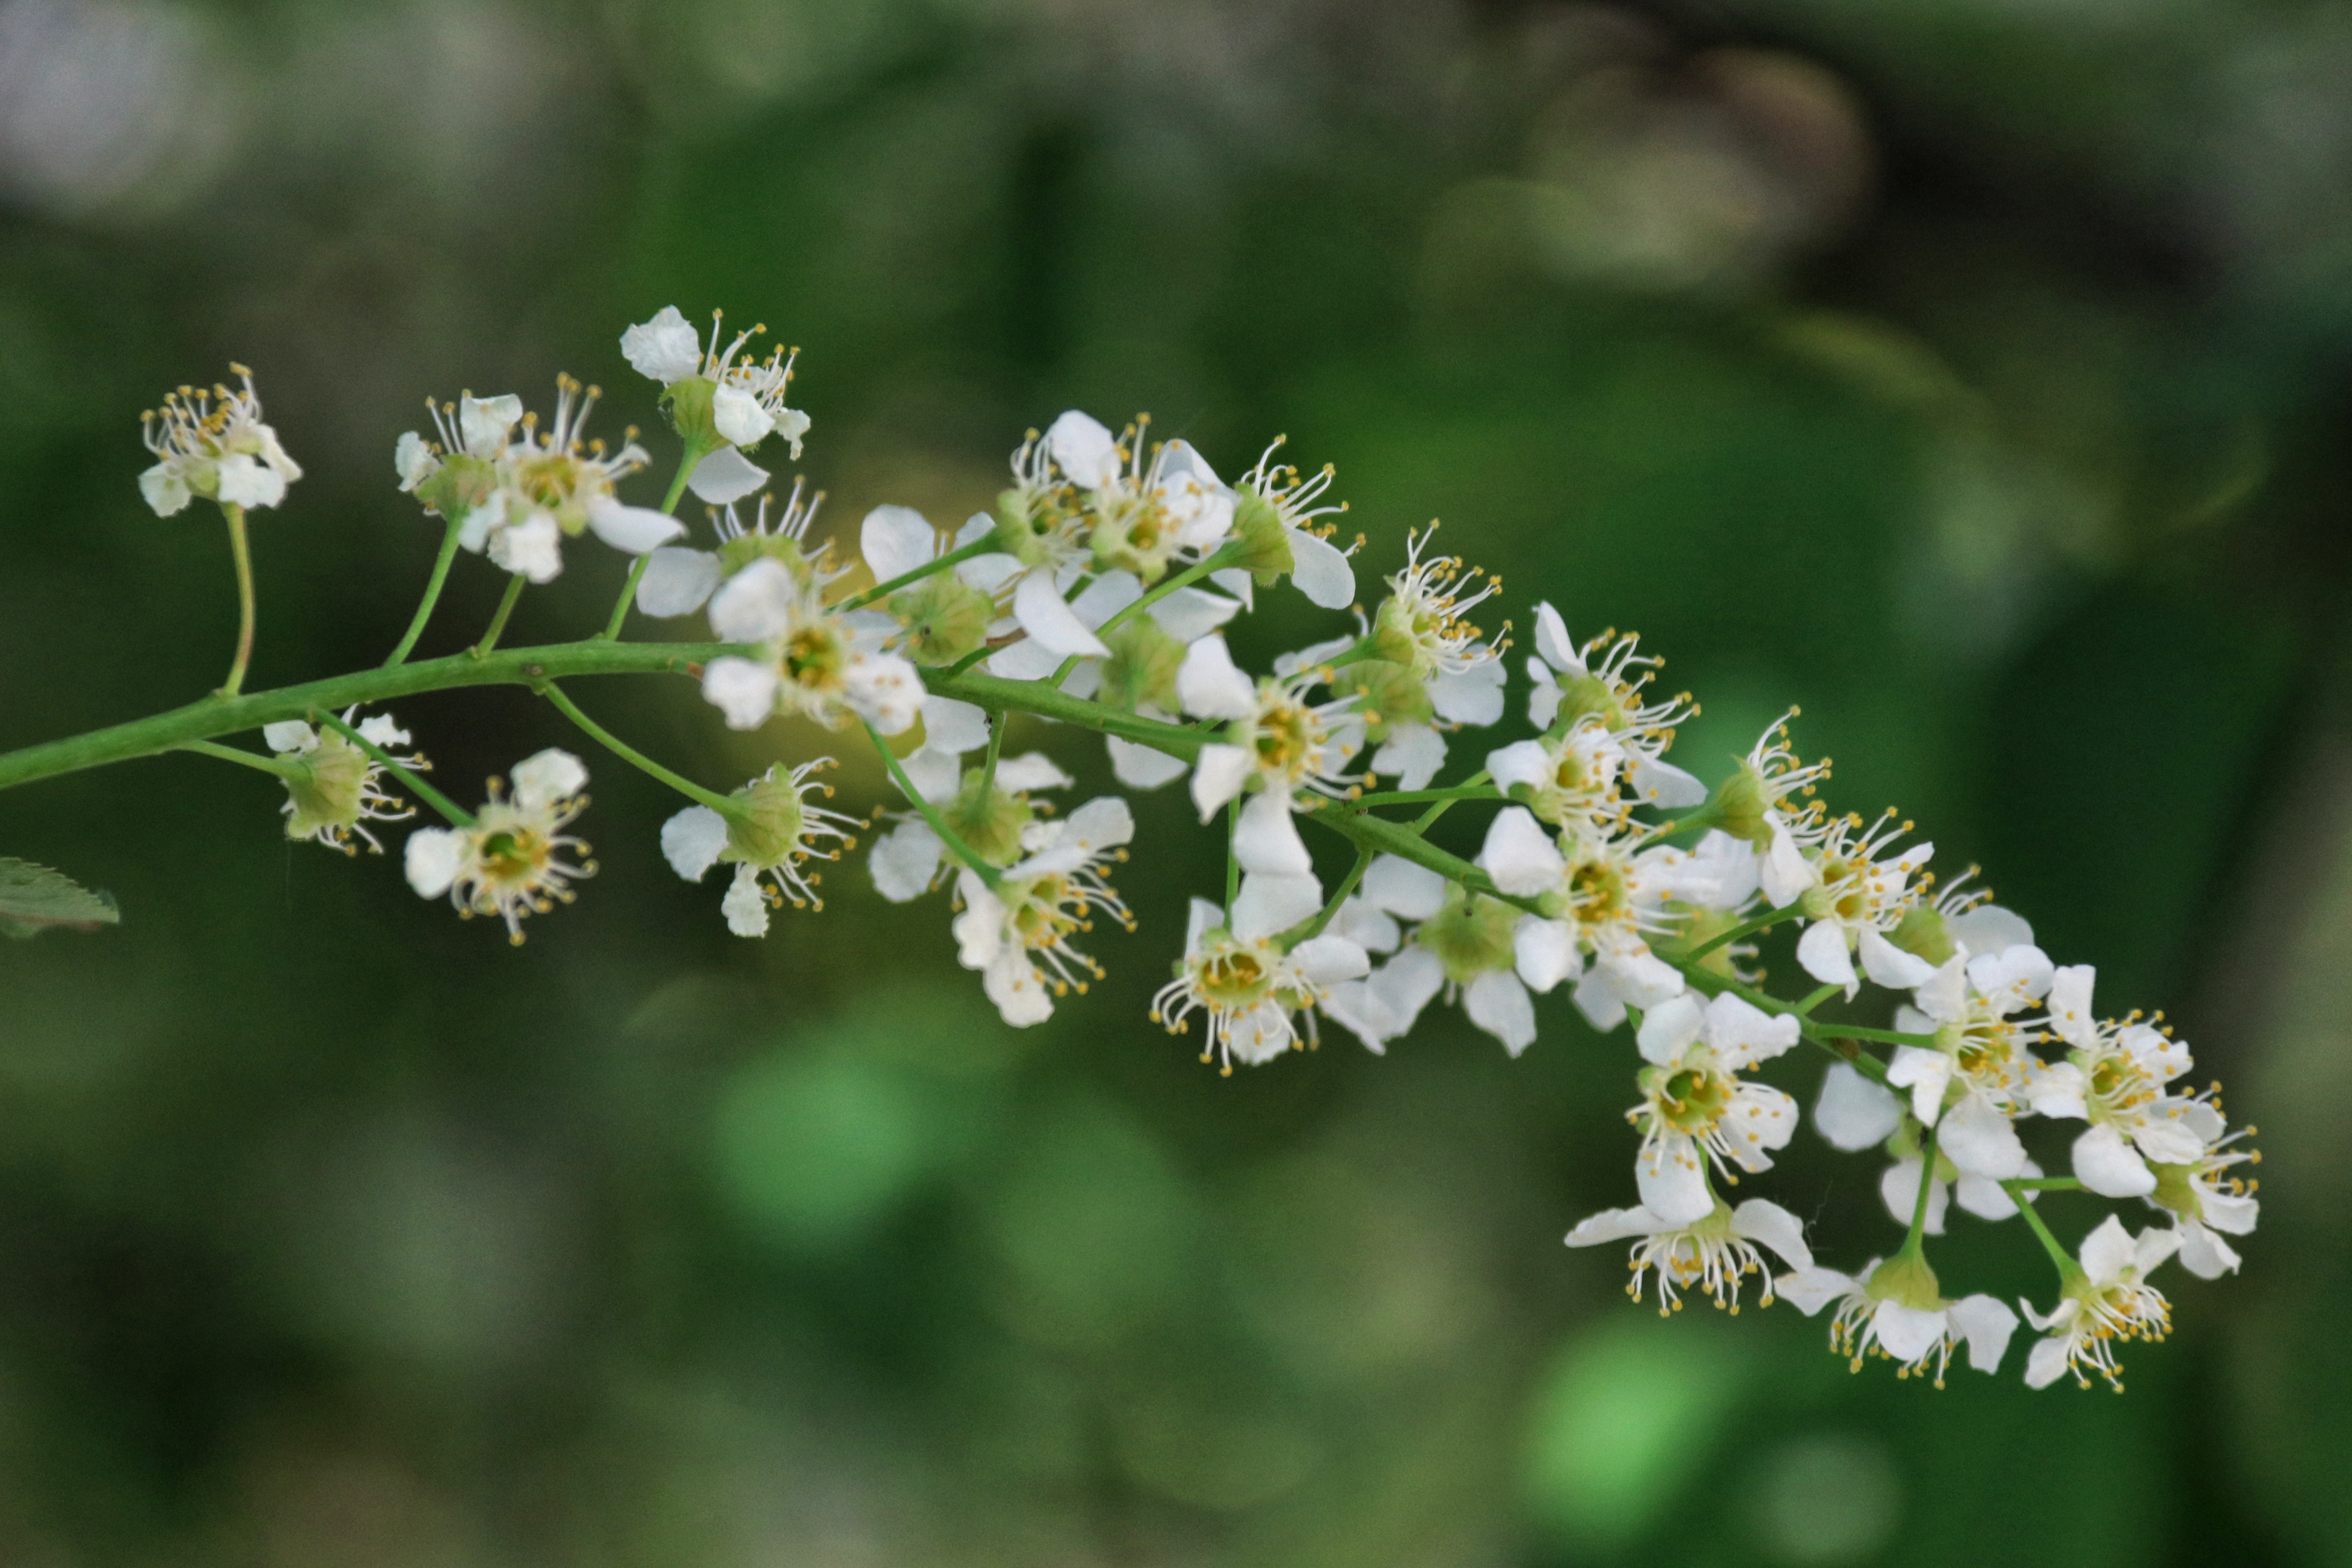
x=1094, y=595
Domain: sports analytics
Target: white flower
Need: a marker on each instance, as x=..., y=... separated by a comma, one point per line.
x=2106, y=1302
x=1754, y=806
x=1017, y=932
x=1257, y=997
x=814, y=662
x=1852, y=1112
x=215, y=445
x=1854, y=899
x=336, y=787
x=2114, y=1078
x=1422, y=627
x=1465, y=945
x=1275, y=511
x=1982, y=1196
x=1607, y=895
x=1275, y=741
x=1714, y=1253
x=746, y=396
x=679, y=580
x=905, y=860
x=1896, y=1312
x=1696, y=1109
x=770, y=831
x=1979, y=1072
x=1571, y=779
x=509, y=862
x=1144, y=506
x=2204, y=1203
x=1608, y=677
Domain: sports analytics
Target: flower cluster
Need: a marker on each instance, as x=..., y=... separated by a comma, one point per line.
x=1096, y=593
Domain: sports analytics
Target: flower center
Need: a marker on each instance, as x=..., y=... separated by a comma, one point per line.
x=1232, y=976
x=1288, y=739
x=1691, y=1100
x=815, y=657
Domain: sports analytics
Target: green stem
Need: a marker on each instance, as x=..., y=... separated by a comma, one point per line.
x=499, y=622
x=1804, y=1009
x=948, y=836
x=212, y=717
x=2044, y=1184
x=2068, y=1269
x=270, y=765
x=1416, y=797
x=1314, y=928
x=974, y=657
x=242, y=554
x=995, y=748
x=1883, y=1036
x=719, y=803
x=981, y=546
x=1428, y=819
x=456, y=815
x=997, y=695
x=432, y=596
x=1764, y=922
x=1381, y=836
x=691, y=459
x=1233, y=861
x=1708, y=816
x=1915, y=1238
x=1224, y=556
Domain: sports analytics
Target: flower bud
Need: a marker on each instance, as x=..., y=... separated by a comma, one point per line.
x=1266, y=544
x=766, y=828
x=326, y=786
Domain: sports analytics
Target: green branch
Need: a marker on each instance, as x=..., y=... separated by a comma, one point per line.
x=636, y=758
x=980, y=545
x=213, y=717
x=432, y=585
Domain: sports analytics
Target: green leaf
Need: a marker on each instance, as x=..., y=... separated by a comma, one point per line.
x=33, y=898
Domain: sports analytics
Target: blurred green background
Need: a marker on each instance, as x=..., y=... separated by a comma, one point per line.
x=1971, y=372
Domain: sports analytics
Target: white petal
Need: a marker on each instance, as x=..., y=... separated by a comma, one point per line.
x=1615, y=1225
x=1267, y=839
x=1475, y=696
x=485, y=423
x=1663, y=784
x=1672, y=1185
x=2151, y=1247
x=1084, y=449
x=1269, y=902
x=1019, y=991
x=2206, y=1255
x=745, y=905
x=382, y=729
x=1743, y=1034
x=1785, y=873
x=532, y=549
x=1822, y=952
x=2056, y=1090
x=1553, y=643
x=885, y=690
x=243, y=481
x=2108, y=1251
x=1050, y=622
x=1760, y=1219
x=1981, y=1140
x=1811, y=1289
x=1925, y=1072
x=546, y=777
x=1327, y=959
x=2069, y=1004
x=1907, y=1333
x=1669, y=1029
x=664, y=349
x=1944, y=996
x=726, y=475
x=1367, y=927
x=737, y=415
x=1105, y=596
x=1352, y=1005
x=742, y=691
x=635, y=530
x=676, y=581
x=290, y=736
x=1188, y=614
x=755, y=604
x=2168, y=1141
x=1412, y=754
x=1544, y=952
x=1218, y=775
x=1521, y=762
x=1403, y=889
x=954, y=726
x=691, y=841
x=895, y=540
x=432, y=858
x=1889, y=966
x=1899, y=1188
x=1320, y=570
x=1639, y=977
x=164, y=489
x=1407, y=983
x=2047, y=1364
x=1519, y=855
x=1028, y=660
x=936, y=775
x=1103, y=822
x=1985, y=1197
x=1761, y=1117
x=1210, y=685
x=1988, y=928
x=904, y=861
x=2109, y=1166
x=1598, y=999
x=1854, y=1112
x=1142, y=767
x=1497, y=1003
x=1029, y=771
x=2230, y=1212
x=1237, y=583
